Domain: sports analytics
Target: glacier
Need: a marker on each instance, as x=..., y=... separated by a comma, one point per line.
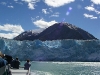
x=56, y=50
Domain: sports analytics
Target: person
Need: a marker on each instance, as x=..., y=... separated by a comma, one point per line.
x=12, y=63
x=3, y=63
x=16, y=63
x=8, y=58
x=27, y=65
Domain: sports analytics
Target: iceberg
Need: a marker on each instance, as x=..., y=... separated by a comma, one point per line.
x=56, y=50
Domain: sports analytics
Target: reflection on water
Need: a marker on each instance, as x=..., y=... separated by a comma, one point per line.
x=65, y=68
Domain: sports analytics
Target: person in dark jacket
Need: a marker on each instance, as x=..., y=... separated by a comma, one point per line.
x=16, y=63
x=12, y=63
x=8, y=58
x=27, y=65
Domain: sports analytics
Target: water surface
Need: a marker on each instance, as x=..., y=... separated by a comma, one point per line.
x=65, y=68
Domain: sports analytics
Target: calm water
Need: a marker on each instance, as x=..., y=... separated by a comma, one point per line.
x=65, y=68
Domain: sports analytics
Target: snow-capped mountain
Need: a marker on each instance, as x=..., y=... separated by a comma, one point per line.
x=57, y=31
x=29, y=35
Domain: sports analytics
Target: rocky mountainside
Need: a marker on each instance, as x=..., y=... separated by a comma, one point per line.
x=57, y=31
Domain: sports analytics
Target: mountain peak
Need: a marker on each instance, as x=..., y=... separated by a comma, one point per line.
x=59, y=31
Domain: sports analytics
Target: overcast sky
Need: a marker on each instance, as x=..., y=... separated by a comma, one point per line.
x=17, y=16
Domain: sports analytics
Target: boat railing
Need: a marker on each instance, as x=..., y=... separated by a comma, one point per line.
x=28, y=72
x=2, y=70
x=19, y=71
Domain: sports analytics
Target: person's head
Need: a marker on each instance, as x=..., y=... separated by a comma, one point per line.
x=12, y=58
x=28, y=61
x=1, y=55
x=17, y=58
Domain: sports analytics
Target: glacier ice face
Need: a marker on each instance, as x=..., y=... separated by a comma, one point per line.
x=56, y=50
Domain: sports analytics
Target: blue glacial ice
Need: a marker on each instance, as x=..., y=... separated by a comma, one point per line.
x=56, y=50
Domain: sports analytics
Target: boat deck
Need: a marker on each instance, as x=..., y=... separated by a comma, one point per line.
x=19, y=72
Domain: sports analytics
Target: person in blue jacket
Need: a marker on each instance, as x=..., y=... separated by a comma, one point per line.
x=27, y=65
x=3, y=64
